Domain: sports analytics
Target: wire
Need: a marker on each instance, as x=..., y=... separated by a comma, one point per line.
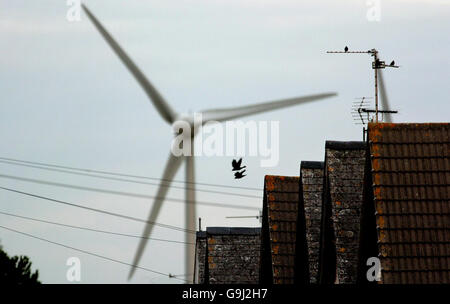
x=93, y=254
x=126, y=175
x=99, y=210
x=127, y=180
x=128, y=194
x=91, y=229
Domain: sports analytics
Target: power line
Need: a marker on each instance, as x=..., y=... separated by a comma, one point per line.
x=93, y=254
x=121, y=193
x=99, y=210
x=127, y=175
x=126, y=180
x=91, y=229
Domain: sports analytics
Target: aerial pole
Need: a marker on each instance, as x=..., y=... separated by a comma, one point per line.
x=258, y=217
x=375, y=57
x=376, y=64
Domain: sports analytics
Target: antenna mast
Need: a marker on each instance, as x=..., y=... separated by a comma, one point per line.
x=376, y=64
x=258, y=217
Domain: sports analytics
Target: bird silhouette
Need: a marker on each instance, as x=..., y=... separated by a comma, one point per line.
x=392, y=63
x=346, y=49
x=238, y=175
x=237, y=165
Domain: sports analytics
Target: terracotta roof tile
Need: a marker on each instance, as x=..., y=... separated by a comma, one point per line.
x=281, y=203
x=411, y=187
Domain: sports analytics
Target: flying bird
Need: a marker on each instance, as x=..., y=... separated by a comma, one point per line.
x=237, y=165
x=346, y=49
x=174, y=163
x=239, y=175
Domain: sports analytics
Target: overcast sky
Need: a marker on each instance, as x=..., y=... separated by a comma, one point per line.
x=67, y=99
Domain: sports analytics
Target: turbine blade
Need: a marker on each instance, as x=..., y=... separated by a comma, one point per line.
x=231, y=113
x=158, y=101
x=384, y=98
x=190, y=215
x=172, y=166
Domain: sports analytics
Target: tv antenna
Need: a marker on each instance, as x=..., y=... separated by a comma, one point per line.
x=360, y=112
x=258, y=217
x=377, y=64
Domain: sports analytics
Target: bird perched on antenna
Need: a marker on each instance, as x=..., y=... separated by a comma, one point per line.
x=346, y=49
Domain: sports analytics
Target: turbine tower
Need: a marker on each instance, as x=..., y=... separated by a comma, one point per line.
x=384, y=99
x=174, y=162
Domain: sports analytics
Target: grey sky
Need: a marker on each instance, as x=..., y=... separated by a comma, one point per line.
x=67, y=99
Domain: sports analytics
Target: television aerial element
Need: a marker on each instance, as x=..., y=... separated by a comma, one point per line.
x=377, y=66
x=258, y=217
x=359, y=113
x=173, y=163
x=362, y=114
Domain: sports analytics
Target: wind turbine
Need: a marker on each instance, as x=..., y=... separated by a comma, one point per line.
x=387, y=116
x=174, y=162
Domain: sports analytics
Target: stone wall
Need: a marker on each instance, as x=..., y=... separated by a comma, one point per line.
x=200, y=258
x=311, y=174
x=232, y=255
x=345, y=176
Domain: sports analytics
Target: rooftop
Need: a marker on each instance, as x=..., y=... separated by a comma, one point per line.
x=280, y=211
x=410, y=169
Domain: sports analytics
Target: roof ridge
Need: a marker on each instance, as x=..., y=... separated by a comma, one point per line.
x=312, y=165
x=345, y=145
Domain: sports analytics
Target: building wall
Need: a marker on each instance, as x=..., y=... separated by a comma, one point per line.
x=233, y=259
x=229, y=255
x=200, y=258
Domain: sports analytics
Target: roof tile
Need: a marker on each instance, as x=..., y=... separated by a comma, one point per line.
x=411, y=185
x=281, y=201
